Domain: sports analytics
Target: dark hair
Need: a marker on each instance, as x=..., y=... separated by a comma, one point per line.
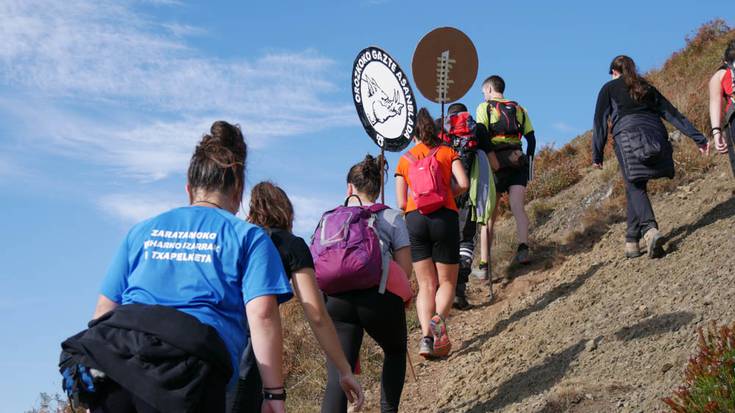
x=365, y=176
x=426, y=129
x=638, y=86
x=496, y=82
x=218, y=162
x=729, y=56
x=270, y=207
x=456, y=108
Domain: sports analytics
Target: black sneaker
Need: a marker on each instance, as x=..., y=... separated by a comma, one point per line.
x=523, y=256
x=461, y=303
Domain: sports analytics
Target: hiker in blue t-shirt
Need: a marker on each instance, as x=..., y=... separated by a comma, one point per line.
x=205, y=262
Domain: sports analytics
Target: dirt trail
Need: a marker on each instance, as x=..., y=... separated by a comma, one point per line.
x=584, y=329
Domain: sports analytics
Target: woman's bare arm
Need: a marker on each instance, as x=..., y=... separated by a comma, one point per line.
x=104, y=306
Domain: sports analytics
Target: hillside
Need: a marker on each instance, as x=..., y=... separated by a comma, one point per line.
x=581, y=329
x=597, y=332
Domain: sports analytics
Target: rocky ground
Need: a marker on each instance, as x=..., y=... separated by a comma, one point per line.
x=583, y=329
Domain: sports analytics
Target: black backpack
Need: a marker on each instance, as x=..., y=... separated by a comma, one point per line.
x=507, y=124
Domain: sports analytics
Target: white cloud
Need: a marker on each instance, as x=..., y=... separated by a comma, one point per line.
x=308, y=211
x=117, y=87
x=132, y=208
x=563, y=127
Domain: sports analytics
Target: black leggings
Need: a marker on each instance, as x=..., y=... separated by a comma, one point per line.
x=383, y=317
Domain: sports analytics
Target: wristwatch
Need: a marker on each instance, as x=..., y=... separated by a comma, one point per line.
x=273, y=396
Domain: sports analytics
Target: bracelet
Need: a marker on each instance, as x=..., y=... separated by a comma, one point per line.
x=715, y=129
x=272, y=396
x=274, y=388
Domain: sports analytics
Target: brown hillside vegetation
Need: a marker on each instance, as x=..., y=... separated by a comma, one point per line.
x=581, y=329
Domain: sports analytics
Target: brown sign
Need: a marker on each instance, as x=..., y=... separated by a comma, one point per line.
x=444, y=65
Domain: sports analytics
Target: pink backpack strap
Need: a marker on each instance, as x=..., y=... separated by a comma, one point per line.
x=433, y=151
x=410, y=158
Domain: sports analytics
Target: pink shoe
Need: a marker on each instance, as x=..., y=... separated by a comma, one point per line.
x=442, y=345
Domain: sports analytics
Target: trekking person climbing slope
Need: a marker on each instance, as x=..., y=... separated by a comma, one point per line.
x=178, y=294
x=461, y=133
x=361, y=298
x=641, y=145
x=721, y=86
x=506, y=122
x=271, y=209
x=433, y=225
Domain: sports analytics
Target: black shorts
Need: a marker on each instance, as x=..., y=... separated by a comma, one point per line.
x=505, y=178
x=434, y=236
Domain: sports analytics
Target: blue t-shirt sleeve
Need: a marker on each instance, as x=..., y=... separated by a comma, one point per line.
x=263, y=272
x=116, y=280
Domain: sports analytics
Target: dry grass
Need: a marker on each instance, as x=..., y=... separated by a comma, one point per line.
x=683, y=79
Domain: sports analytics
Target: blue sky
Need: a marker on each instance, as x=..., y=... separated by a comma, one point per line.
x=101, y=103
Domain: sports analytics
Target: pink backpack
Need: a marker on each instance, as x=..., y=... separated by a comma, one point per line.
x=425, y=182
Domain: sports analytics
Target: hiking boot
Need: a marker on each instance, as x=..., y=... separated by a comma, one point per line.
x=653, y=243
x=523, y=256
x=481, y=272
x=461, y=303
x=632, y=250
x=426, y=347
x=442, y=345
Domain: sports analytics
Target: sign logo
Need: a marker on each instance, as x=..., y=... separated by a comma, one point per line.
x=383, y=98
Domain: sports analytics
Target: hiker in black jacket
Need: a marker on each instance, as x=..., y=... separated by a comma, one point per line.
x=635, y=108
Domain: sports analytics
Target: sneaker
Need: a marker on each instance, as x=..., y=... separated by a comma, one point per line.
x=426, y=347
x=523, y=256
x=632, y=250
x=653, y=243
x=481, y=271
x=461, y=303
x=442, y=345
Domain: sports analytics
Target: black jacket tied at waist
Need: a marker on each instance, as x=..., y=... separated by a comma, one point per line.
x=645, y=147
x=161, y=355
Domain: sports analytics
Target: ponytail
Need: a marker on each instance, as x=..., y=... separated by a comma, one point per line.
x=638, y=86
x=218, y=162
x=365, y=176
x=426, y=130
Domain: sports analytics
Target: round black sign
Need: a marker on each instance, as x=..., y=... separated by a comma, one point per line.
x=383, y=98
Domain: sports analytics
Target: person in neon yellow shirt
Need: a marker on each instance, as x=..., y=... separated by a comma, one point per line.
x=507, y=122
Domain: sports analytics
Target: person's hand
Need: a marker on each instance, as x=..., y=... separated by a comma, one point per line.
x=597, y=165
x=273, y=406
x=704, y=149
x=352, y=390
x=720, y=142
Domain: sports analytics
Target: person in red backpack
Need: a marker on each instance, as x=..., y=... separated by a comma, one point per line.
x=376, y=310
x=425, y=190
x=722, y=87
x=467, y=138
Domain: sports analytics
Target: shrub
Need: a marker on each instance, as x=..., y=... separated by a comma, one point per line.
x=684, y=77
x=710, y=375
